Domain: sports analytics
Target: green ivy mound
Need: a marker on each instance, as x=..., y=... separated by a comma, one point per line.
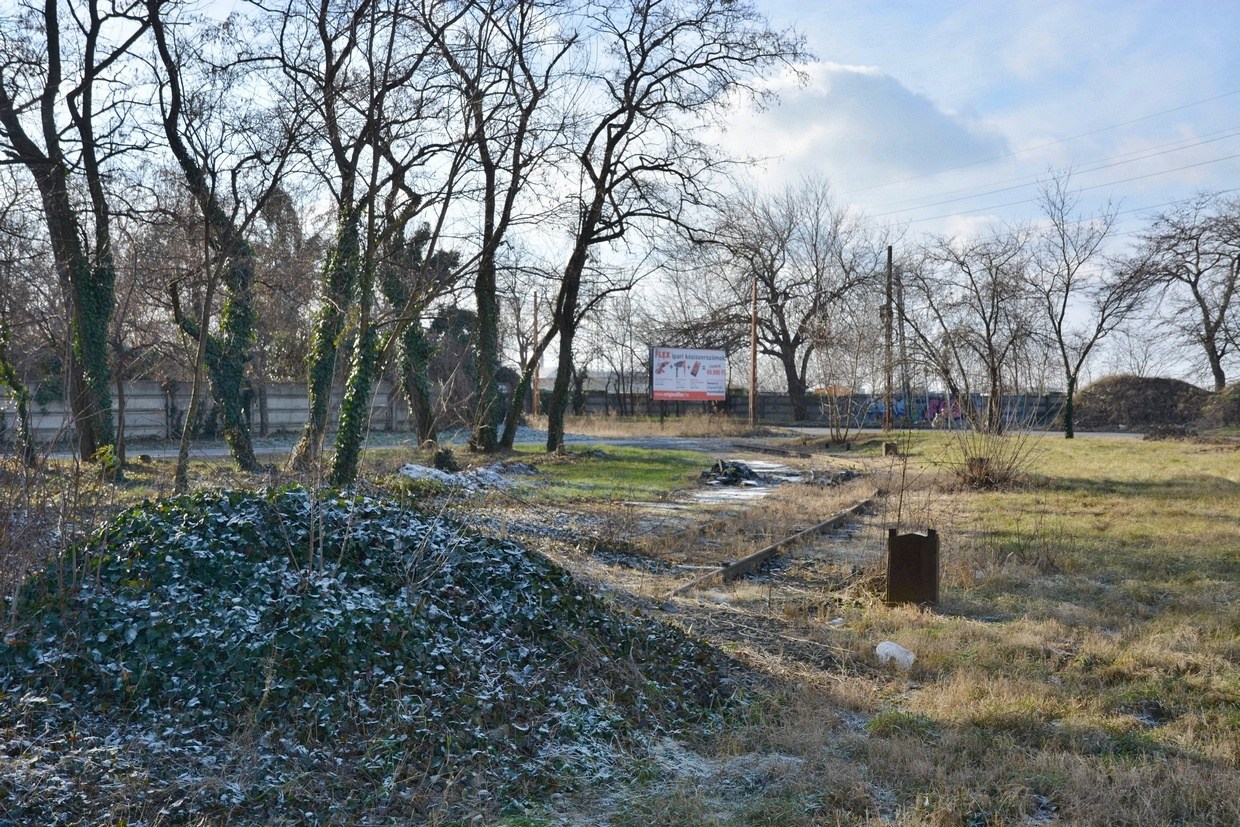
x=299, y=648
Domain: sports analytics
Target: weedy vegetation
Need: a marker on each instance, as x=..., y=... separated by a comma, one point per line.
x=295, y=655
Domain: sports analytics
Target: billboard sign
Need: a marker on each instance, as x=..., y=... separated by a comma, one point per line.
x=688, y=375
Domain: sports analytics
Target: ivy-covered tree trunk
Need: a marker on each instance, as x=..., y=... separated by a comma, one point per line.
x=355, y=405
x=87, y=276
x=339, y=286
x=88, y=291
x=91, y=378
x=228, y=352
x=225, y=357
x=227, y=369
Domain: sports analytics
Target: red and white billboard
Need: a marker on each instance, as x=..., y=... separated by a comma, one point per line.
x=688, y=375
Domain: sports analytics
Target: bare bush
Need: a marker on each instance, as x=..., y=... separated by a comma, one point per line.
x=986, y=460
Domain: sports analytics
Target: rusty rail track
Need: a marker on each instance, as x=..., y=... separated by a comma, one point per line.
x=752, y=561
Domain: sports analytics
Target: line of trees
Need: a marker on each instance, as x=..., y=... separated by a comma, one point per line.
x=303, y=189
x=1004, y=311
x=337, y=190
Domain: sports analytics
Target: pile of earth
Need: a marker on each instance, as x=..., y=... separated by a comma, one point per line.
x=290, y=656
x=1137, y=403
x=1222, y=410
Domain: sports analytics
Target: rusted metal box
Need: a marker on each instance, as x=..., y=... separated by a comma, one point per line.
x=913, y=568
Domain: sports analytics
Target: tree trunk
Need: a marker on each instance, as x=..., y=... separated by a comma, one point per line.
x=24, y=436
x=416, y=352
x=796, y=390
x=339, y=285
x=486, y=399
x=1216, y=368
x=1069, y=409
x=565, y=320
x=512, y=416
x=355, y=407
x=88, y=294
x=120, y=415
x=227, y=365
x=557, y=406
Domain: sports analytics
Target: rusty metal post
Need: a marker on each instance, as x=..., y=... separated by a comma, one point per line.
x=912, y=568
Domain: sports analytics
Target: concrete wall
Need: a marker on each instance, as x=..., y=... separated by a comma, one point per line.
x=152, y=414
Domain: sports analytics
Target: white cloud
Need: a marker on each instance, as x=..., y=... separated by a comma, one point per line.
x=860, y=127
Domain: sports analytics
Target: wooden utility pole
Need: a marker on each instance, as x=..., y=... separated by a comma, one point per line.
x=887, y=344
x=753, y=356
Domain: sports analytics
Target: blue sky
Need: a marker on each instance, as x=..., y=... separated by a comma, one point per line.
x=941, y=116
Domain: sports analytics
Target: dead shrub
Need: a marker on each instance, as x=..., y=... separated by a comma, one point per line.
x=987, y=461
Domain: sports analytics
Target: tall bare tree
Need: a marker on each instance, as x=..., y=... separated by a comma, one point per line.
x=969, y=308
x=1192, y=252
x=1083, y=299
x=507, y=57
x=804, y=252
x=367, y=75
x=232, y=154
x=63, y=115
x=664, y=67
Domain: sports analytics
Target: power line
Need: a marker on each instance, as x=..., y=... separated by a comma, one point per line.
x=1034, y=199
x=1056, y=142
x=1026, y=180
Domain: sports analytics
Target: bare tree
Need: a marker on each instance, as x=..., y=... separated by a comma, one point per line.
x=366, y=74
x=968, y=306
x=802, y=252
x=232, y=155
x=506, y=57
x=1192, y=252
x=666, y=65
x=63, y=112
x=844, y=335
x=620, y=347
x=1082, y=298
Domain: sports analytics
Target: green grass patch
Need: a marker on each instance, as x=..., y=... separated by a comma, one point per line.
x=610, y=473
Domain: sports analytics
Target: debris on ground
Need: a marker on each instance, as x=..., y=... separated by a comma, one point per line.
x=495, y=477
x=890, y=652
x=732, y=472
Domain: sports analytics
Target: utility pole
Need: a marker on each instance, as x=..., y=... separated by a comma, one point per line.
x=887, y=343
x=537, y=361
x=904, y=380
x=753, y=356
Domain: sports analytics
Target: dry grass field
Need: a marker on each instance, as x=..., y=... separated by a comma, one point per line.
x=1082, y=667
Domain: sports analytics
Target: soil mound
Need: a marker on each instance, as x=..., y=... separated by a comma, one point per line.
x=1223, y=409
x=1136, y=403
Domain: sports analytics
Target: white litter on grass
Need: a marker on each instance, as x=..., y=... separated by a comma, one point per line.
x=889, y=652
x=490, y=477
